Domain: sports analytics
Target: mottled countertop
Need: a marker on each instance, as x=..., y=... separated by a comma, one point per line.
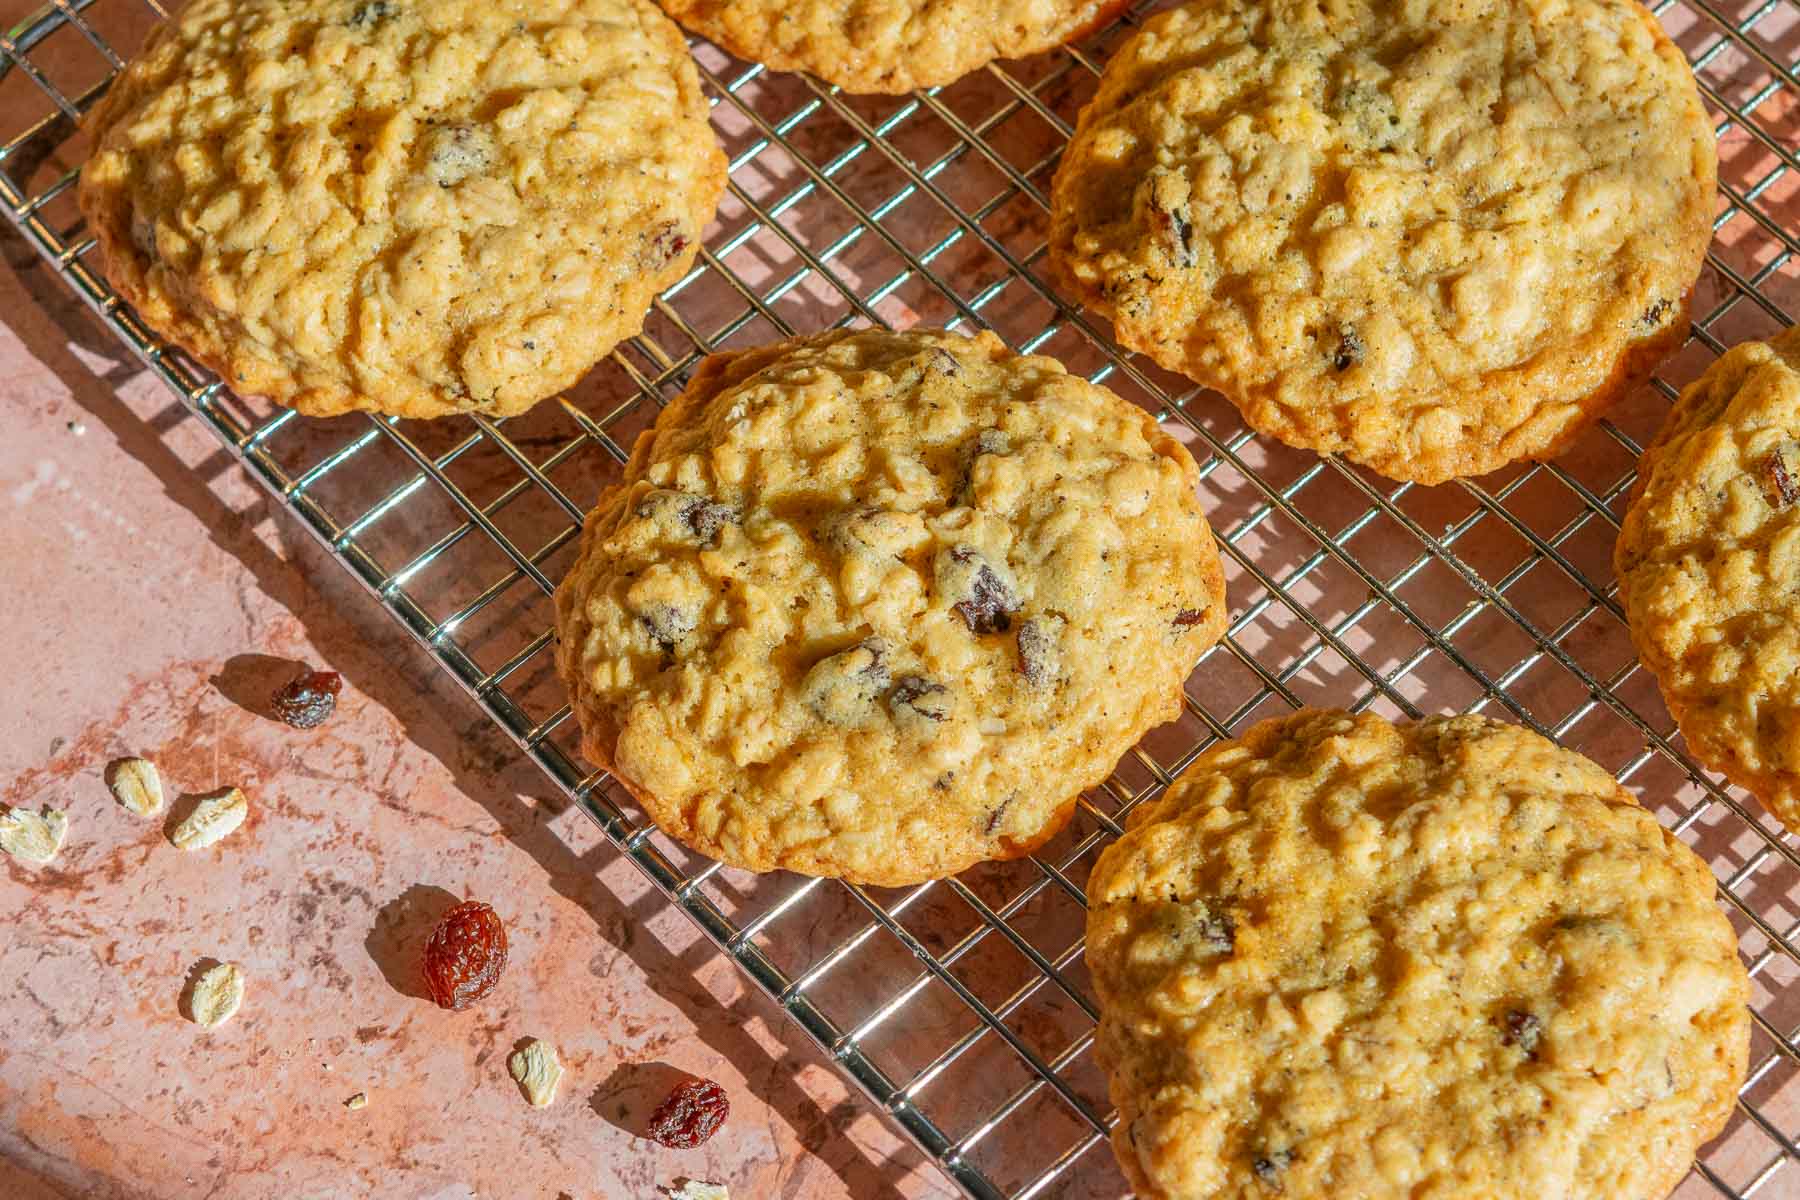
x=153, y=598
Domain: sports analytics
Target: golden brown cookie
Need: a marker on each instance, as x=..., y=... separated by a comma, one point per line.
x=889, y=45
x=1427, y=962
x=418, y=207
x=1709, y=568
x=1434, y=237
x=879, y=605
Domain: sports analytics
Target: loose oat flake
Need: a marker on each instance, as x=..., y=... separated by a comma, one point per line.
x=216, y=995
x=537, y=1071
x=694, y=1189
x=212, y=820
x=360, y=1100
x=137, y=786
x=33, y=837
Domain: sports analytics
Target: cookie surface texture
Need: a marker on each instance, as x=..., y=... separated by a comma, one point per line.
x=878, y=606
x=1708, y=561
x=889, y=45
x=1434, y=961
x=418, y=207
x=1431, y=237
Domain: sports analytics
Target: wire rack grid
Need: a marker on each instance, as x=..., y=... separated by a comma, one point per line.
x=961, y=1009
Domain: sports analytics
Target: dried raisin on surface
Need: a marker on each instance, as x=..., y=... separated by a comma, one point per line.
x=1268, y=1167
x=842, y=688
x=665, y=245
x=1177, y=231
x=921, y=697
x=1783, y=489
x=1187, y=618
x=668, y=625
x=308, y=700
x=706, y=518
x=1040, y=650
x=465, y=955
x=1523, y=1030
x=691, y=1115
x=371, y=13
x=987, y=602
x=1218, y=933
x=989, y=442
x=682, y=511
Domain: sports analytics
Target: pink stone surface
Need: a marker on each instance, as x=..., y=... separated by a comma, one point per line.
x=152, y=599
x=153, y=596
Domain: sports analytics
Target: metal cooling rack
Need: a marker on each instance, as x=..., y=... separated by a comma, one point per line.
x=961, y=1008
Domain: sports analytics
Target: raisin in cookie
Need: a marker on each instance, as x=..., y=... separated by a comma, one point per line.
x=419, y=207
x=1433, y=238
x=878, y=606
x=1709, y=568
x=1434, y=961
x=889, y=45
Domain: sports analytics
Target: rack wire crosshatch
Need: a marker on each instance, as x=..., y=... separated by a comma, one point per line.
x=961, y=1009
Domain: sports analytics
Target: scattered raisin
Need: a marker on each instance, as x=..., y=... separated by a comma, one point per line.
x=988, y=441
x=665, y=245
x=921, y=697
x=682, y=512
x=706, y=518
x=1039, y=645
x=987, y=602
x=1168, y=194
x=691, y=1115
x=1187, y=618
x=372, y=12
x=1178, y=234
x=309, y=699
x=850, y=531
x=1653, y=316
x=1268, y=1168
x=993, y=823
x=1350, y=349
x=1217, y=933
x=842, y=688
x=465, y=955
x=1522, y=1030
x=1782, y=489
x=669, y=626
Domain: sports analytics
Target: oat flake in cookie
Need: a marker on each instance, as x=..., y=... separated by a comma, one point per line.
x=1708, y=562
x=1434, y=237
x=420, y=207
x=1423, y=962
x=889, y=45
x=878, y=606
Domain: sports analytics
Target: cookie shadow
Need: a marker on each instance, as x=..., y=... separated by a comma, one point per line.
x=632, y=1093
x=185, y=1004
x=396, y=941
x=250, y=681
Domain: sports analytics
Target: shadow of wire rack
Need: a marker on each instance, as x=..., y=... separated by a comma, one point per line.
x=962, y=1009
